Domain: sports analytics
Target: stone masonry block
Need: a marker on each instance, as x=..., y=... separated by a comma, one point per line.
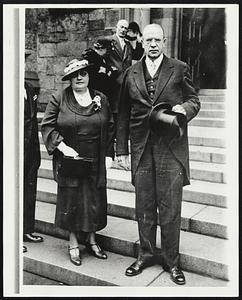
x=97, y=14
x=71, y=48
x=74, y=22
x=44, y=96
x=47, y=50
x=42, y=64
x=46, y=81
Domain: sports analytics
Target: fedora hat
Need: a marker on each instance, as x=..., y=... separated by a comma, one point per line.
x=165, y=122
x=73, y=66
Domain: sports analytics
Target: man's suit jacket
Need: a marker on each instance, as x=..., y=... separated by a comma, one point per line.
x=175, y=87
x=31, y=138
x=121, y=60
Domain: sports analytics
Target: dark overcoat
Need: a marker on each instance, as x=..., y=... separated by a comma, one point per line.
x=53, y=135
x=31, y=138
x=121, y=61
x=174, y=86
x=31, y=158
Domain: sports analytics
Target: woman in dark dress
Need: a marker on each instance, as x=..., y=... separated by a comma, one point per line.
x=78, y=127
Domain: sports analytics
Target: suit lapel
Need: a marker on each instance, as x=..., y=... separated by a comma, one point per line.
x=139, y=79
x=164, y=76
x=117, y=46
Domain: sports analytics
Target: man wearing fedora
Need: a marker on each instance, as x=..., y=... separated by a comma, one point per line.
x=120, y=57
x=157, y=100
x=31, y=162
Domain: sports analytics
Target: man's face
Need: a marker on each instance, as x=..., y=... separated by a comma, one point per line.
x=122, y=28
x=153, y=42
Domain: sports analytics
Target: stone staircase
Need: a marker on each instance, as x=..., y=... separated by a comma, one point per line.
x=204, y=236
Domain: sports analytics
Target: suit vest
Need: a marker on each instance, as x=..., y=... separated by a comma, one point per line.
x=151, y=82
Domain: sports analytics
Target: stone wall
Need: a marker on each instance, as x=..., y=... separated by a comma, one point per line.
x=56, y=36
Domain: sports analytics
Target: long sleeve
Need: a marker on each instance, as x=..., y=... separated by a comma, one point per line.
x=191, y=102
x=110, y=135
x=123, y=120
x=50, y=133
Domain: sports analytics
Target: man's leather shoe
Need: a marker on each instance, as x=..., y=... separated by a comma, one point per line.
x=136, y=268
x=177, y=275
x=29, y=237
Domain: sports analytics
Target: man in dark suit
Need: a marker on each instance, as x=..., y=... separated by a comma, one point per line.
x=31, y=164
x=120, y=57
x=160, y=166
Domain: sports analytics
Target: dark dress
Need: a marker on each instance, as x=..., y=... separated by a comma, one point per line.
x=81, y=202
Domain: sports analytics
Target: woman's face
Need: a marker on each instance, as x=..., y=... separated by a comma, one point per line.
x=80, y=80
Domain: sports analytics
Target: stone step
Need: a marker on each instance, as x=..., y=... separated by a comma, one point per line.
x=213, y=92
x=206, y=136
x=207, y=122
x=211, y=113
x=207, y=154
x=210, y=172
x=199, y=253
x=196, y=217
x=212, y=105
x=50, y=260
x=199, y=136
x=196, y=153
x=203, y=192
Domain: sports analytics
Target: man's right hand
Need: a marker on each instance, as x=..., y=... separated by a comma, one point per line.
x=123, y=161
x=66, y=150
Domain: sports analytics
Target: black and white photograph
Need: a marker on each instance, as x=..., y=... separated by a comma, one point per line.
x=120, y=143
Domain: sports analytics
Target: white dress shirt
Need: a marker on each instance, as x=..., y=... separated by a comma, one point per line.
x=153, y=66
x=122, y=42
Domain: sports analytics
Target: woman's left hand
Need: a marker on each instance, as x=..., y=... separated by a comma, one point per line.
x=108, y=162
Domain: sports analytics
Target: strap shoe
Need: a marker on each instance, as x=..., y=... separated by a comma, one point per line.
x=74, y=254
x=95, y=250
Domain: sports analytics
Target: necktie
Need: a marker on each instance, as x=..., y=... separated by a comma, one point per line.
x=152, y=69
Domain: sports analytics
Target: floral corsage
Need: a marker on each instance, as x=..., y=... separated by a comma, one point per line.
x=97, y=103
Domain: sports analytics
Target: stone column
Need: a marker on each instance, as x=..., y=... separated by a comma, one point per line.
x=142, y=17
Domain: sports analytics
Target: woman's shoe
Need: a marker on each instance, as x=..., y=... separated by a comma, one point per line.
x=96, y=251
x=74, y=254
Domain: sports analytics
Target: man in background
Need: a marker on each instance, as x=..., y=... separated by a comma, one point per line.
x=31, y=163
x=120, y=57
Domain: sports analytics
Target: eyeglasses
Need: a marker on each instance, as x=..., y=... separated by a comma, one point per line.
x=82, y=73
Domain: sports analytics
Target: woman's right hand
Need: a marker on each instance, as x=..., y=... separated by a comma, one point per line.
x=66, y=150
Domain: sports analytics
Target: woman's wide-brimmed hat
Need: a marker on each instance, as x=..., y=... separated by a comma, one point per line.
x=75, y=65
x=165, y=122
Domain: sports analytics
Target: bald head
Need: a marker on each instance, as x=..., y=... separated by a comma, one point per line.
x=122, y=28
x=153, y=27
x=153, y=40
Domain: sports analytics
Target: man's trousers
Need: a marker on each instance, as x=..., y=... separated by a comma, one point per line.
x=158, y=186
x=30, y=186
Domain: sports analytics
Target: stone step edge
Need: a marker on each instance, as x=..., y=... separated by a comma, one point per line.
x=113, y=243
x=68, y=275
x=191, y=214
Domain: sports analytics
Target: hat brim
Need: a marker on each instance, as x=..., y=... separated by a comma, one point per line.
x=165, y=122
x=69, y=75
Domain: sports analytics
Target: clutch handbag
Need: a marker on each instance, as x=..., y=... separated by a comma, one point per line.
x=75, y=167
